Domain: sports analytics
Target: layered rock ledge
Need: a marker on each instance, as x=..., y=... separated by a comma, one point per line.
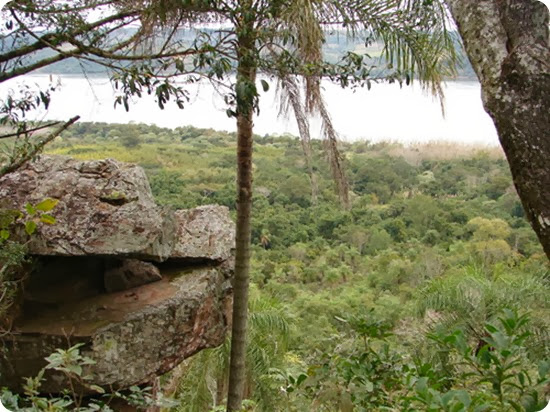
x=132, y=335
x=140, y=286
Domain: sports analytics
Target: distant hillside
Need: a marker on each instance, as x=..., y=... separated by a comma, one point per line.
x=337, y=44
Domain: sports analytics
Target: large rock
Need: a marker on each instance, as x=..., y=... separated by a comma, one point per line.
x=105, y=208
x=109, y=235
x=132, y=335
x=204, y=233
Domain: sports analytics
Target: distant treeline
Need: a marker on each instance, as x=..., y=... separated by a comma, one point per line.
x=336, y=45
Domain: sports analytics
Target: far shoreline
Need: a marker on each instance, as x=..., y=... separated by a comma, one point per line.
x=387, y=112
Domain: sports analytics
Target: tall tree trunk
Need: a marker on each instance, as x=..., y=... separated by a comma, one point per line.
x=507, y=42
x=246, y=96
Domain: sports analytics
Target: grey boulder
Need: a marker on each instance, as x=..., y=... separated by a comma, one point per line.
x=105, y=208
x=204, y=233
x=132, y=335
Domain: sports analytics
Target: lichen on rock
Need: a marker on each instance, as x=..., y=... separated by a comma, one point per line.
x=140, y=286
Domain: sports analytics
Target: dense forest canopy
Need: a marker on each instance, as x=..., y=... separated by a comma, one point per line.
x=436, y=244
x=451, y=175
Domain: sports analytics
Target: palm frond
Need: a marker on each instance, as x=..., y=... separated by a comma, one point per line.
x=468, y=299
x=290, y=99
x=414, y=35
x=269, y=332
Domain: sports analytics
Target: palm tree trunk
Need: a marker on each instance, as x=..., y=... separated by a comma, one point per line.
x=246, y=76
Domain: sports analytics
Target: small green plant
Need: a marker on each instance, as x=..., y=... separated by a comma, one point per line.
x=30, y=218
x=368, y=378
x=13, y=252
x=495, y=377
x=72, y=365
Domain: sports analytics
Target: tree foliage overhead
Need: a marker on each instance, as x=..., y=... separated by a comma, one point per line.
x=143, y=45
x=37, y=34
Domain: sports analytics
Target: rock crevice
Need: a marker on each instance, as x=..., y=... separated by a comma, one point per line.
x=140, y=286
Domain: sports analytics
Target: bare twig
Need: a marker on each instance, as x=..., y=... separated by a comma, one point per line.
x=16, y=164
x=5, y=136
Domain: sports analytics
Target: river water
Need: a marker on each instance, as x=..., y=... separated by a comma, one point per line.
x=386, y=112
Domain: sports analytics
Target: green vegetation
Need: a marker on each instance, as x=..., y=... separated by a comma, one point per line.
x=429, y=294
x=15, y=228
x=70, y=364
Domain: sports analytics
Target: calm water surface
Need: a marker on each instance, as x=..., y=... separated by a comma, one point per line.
x=386, y=112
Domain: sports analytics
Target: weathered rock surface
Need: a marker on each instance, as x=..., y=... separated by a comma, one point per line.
x=105, y=208
x=129, y=273
x=205, y=232
x=132, y=336
x=91, y=284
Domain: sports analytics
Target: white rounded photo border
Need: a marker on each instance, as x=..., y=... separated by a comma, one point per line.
x=3, y=3
x=546, y=2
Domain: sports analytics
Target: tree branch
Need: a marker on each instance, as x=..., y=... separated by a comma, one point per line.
x=16, y=164
x=5, y=136
x=27, y=69
x=49, y=40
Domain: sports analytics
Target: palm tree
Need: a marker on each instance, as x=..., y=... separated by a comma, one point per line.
x=202, y=380
x=469, y=299
x=282, y=39
x=305, y=19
